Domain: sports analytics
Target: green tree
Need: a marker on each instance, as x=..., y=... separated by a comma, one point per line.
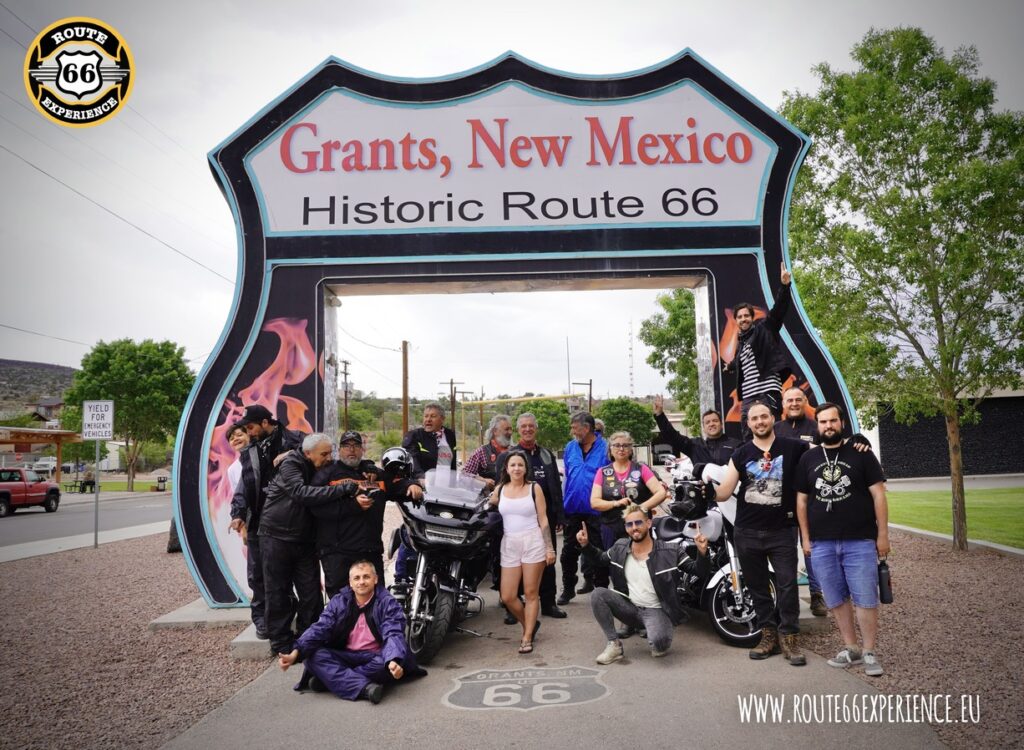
x=552, y=421
x=672, y=337
x=359, y=417
x=908, y=216
x=625, y=414
x=148, y=383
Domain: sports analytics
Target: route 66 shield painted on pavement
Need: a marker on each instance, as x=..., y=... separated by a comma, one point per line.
x=528, y=688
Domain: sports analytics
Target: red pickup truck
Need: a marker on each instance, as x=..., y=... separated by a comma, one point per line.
x=21, y=488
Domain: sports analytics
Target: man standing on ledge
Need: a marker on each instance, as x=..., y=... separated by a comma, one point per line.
x=714, y=448
x=760, y=363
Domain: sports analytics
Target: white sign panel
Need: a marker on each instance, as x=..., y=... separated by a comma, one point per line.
x=514, y=158
x=97, y=420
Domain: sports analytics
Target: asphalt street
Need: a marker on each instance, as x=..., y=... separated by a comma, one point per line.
x=75, y=516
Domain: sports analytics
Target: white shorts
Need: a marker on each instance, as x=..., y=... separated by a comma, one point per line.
x=524, y=547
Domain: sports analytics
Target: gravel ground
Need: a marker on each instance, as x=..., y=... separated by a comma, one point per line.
x=955, y=627
x=80, y=668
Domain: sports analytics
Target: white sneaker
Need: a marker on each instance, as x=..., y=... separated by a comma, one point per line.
x=658, y=654
x=871, y=666
x=846, y=658
x=612, y=652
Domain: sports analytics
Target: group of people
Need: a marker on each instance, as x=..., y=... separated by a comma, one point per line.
x=799, y=483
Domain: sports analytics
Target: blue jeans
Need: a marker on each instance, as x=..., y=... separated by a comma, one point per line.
x=847, y=568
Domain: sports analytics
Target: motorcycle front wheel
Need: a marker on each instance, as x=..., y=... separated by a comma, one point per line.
x=426, y=633
x=735, y=623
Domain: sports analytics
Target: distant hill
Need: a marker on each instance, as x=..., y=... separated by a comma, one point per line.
x=24, y=382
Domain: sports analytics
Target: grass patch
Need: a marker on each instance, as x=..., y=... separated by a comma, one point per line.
x=121, y=485
x=995, y=515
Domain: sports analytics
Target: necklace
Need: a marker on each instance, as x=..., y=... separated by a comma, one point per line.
x=831, y=475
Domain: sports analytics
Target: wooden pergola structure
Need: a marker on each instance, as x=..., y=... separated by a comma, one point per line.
x=16, y=435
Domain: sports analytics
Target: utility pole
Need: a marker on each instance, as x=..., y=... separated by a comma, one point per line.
x=405, y=387
x=632, y=394
x=451, y=385
x=465, y=446
x=344, y=374
x=568, y=371
x=590, y=393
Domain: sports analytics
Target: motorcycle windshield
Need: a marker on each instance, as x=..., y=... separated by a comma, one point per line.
x=449, y=487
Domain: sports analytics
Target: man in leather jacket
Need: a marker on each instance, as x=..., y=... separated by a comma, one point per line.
x=760, y=364
x=288, y=541
x=644, y=576
x=352, y=529
x=268, y=440
x=714, y=448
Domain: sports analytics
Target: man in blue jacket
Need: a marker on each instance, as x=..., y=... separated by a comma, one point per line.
x=358, y=643
x=584, y=455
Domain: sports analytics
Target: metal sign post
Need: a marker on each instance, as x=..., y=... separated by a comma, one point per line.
x=97, y=424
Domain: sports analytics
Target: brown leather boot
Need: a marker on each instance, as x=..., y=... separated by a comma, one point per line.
x=791, y=650
x=818, y=608
x=768, y=646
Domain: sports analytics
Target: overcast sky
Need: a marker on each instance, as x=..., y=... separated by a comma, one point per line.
x=74, y=270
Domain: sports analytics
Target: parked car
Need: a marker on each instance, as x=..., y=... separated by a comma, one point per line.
x=22, y=488
x=46, y=464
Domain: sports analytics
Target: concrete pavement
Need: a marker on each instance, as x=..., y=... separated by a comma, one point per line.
x=689, y=698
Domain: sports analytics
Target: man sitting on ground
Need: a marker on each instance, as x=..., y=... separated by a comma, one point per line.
x=644, y=577
x=357, y=644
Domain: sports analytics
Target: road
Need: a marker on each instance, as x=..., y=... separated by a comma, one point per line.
x=75, y=516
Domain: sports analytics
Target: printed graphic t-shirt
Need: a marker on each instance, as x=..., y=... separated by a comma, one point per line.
x=839, y=504
x=767, y=497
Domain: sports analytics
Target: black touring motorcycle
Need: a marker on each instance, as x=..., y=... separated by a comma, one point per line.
x=724, y=595
x=450, y=530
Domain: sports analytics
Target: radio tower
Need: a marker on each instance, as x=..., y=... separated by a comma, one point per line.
x=631, y=389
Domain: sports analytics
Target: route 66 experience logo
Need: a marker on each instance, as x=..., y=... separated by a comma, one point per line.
x=79, y=72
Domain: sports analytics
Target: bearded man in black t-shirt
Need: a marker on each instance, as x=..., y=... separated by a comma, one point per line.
x=766, y=529
x=844, y=524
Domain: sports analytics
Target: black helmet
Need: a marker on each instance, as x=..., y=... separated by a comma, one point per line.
x=397, y=463
x=689, y=501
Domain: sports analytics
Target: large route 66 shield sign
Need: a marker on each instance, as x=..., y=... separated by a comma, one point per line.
x=526, y=689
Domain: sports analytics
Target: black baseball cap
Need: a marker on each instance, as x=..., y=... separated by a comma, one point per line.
x=349, y=436
x=255, y=414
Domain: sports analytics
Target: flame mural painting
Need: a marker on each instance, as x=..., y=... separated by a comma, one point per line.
x=505, y=178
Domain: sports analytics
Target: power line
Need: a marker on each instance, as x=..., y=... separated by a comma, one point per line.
x=4, y=32
x=118, y=216
x=127, y=106
x=367, y=343
x=370, y=368
x=2, y=5
x=44, y=335
x=71, y=158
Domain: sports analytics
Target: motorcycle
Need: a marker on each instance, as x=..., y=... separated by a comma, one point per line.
x=724, y=595
x=450, y=530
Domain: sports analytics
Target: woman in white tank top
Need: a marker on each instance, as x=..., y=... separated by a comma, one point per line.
x=526, y=544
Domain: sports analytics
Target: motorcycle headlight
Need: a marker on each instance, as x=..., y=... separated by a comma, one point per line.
x=443, y=534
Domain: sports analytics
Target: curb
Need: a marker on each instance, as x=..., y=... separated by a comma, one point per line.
x=971, y=543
